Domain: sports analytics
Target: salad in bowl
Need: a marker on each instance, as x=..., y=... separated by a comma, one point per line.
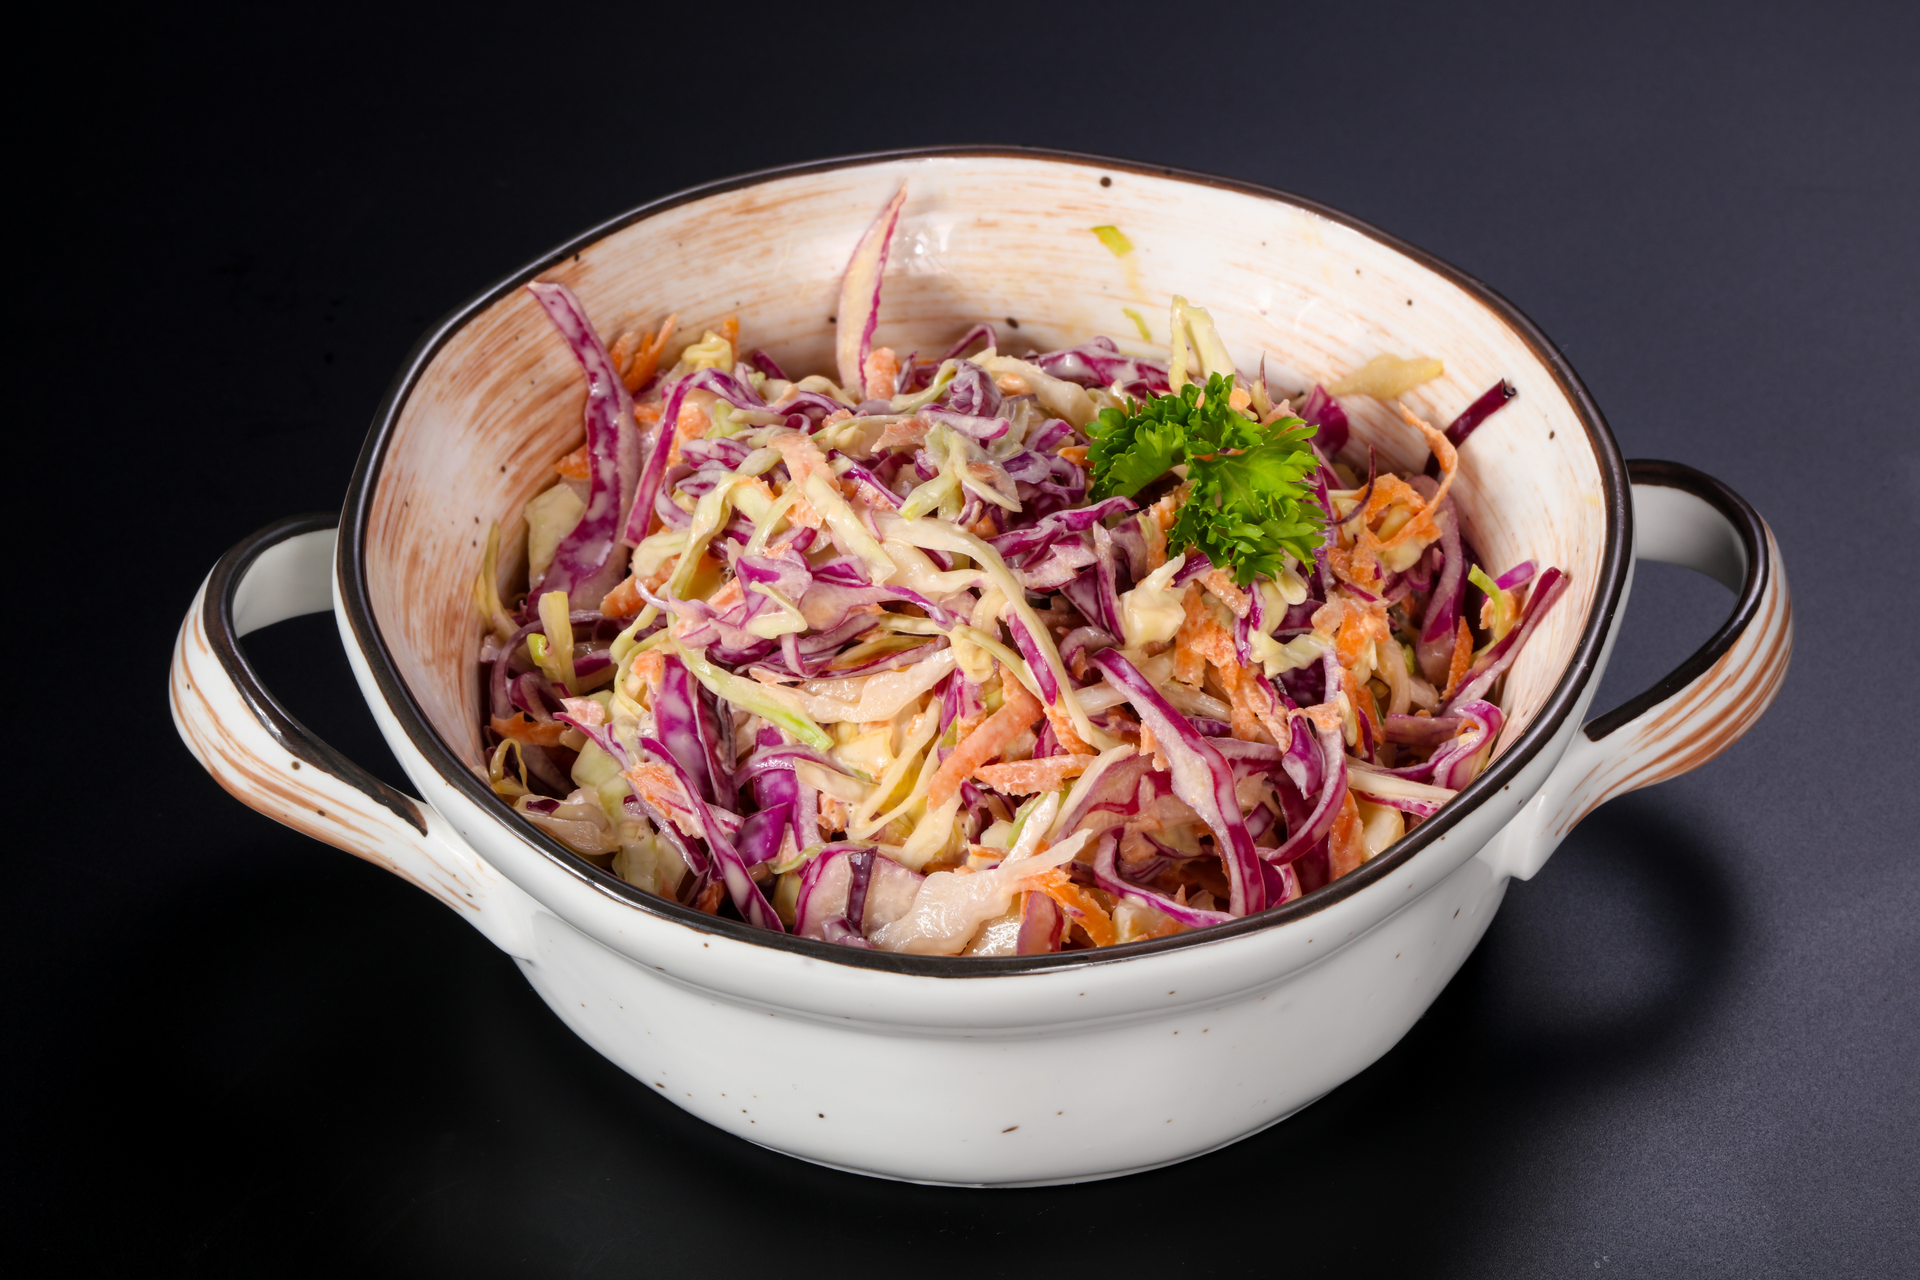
x=995, y=651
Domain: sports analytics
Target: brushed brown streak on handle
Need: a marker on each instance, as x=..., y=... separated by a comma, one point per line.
x=1743, y=683
x=242, y=773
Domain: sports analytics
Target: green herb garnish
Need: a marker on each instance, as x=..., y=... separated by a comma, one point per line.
x=1248, y=507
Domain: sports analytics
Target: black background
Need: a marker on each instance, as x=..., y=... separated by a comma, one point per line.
x=1690, y=1047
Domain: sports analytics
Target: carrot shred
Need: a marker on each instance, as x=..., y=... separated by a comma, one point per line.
x=1070, y=740
x=912, y=431
x=1215, y=644
x=1254, y=715
x=691, y=425
x=1189, y=664
x=659, y=787
x=1220, y=582
x=1462, y=658
x=1422, y=524
x=1346, y=843
x=880, y=372
x=1361, y=699
x=575, y=466
x=1020, y=710
x=623, y=601
x=1324, y=716
x=1156, y=520
x=1025, y=777
x=1156, y=537
x=1081, y=908
x=709, y=899
x=1149, y=746
x=533, y=733
x=621, y=352
x=646, y=356
x=1265, y=712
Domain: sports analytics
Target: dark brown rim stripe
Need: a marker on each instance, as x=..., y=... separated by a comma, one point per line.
x=298, y=740
x=357, y=513
x=1753, y=535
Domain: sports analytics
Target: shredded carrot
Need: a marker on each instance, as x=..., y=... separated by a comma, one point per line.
x=1074, y=453
x=913, y=431
x=1422, y=524
x=802, y=455
x=1189, y=664
x=1070, y=739
x=623, y=601
x=1150, y=746
x=1359, y=564
x=1252, y=691
x=1355, y=636
x=730, y=330
x=881, y=371
x=1157, y=519
x=1020, y=711
x=575, y=466
x=1081, y=907
x=1025, y=777
x=647, y=414
x=1156, y=538
x=645, y=674
x=1387, y=490
x=657, y=785
x=731, y=592
x=646, y=356
x=1346, y=844
x=1241, y=716
x=1220, y=582
x=1215, y=643
x=1256, y=717
x=1362, y=700
x=1325, y=716
x=691, y=425
x=1461, y=660
x=709, y=899
x=534, y=733
x=621, y=352
x=802, y=512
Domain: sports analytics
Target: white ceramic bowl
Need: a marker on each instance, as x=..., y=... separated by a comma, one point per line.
x=1005, y=1071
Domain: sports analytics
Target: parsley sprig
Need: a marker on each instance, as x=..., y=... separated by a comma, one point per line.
x=1248, y=507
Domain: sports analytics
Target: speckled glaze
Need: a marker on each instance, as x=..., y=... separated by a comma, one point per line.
x=825, y=1053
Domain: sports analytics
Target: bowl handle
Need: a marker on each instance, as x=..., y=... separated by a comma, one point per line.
x=1703, y=706
x=271, y=762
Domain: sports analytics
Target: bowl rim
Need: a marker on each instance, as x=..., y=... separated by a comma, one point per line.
x=356, y=517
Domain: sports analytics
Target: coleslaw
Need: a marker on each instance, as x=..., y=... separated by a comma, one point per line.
x=893, y=658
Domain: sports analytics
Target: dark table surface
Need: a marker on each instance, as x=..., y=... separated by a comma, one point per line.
x=1690, y=1047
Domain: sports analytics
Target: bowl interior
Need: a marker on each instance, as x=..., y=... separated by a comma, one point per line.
x=1002, y=238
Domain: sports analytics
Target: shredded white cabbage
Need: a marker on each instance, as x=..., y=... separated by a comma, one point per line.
x=1153, y=611
x=862, y=699
x=1386, y=376
x=550, y=517
x=950, y=908
x=1068, y=400
x=940, y=536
